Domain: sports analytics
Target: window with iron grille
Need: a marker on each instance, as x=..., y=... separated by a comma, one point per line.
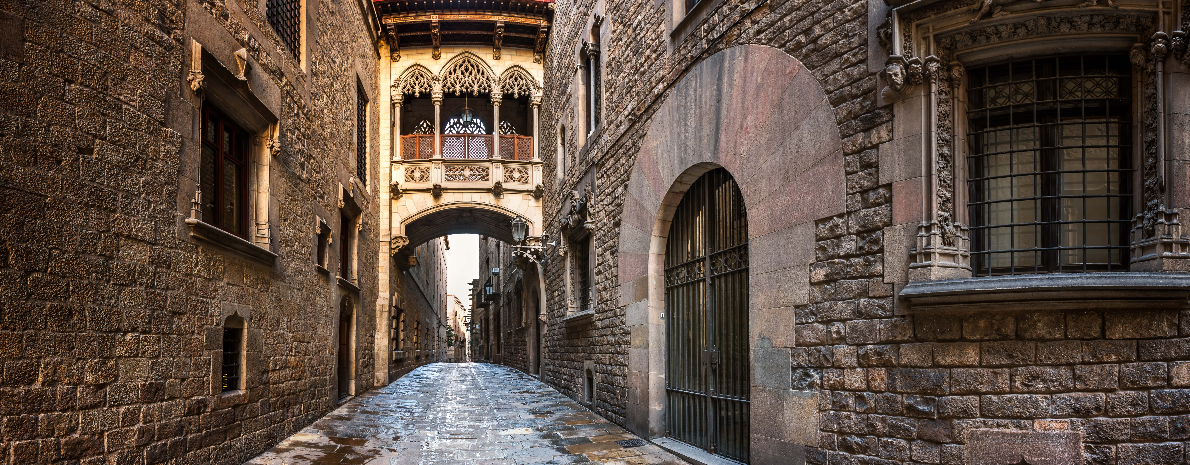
x=361, y=134
x=232, y=347
x=1050, y=165
x=285, y=17
x=224, y=172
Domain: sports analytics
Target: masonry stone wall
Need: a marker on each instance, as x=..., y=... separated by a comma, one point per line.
x=888, y=383
x=110, y=311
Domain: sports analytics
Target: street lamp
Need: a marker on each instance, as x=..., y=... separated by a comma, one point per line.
x=520, y=229
x=532, y=252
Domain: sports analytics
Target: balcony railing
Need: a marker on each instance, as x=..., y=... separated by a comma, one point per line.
x=514, y=147
x=466, y=147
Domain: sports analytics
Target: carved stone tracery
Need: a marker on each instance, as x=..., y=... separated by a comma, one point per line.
x=467, y=73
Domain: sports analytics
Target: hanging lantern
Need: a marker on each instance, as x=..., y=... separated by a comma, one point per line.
x=467, y=115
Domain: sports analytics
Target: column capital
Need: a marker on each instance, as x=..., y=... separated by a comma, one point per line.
x=497, y=97
x=535, y=100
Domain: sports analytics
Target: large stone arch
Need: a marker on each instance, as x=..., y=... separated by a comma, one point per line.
x=466, y=217
x=759, y=113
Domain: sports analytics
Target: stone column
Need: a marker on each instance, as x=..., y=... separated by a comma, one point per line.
x=436, y=97
x=535, y=102
x=497, y=97
x=398, y=100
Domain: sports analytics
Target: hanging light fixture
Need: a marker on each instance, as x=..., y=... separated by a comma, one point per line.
x=467, y=115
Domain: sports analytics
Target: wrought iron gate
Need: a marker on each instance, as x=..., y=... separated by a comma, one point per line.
x=706, y=306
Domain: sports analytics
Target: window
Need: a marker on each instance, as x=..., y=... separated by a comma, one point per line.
x=417, y=335
x=361, y=134
x=562, y=162
x=1050, y=165
x=345, y=246
x=233, y=350
x=583, y=274
x=322, y=253
x=224, y=176
x=285, y=16
x=399, y=329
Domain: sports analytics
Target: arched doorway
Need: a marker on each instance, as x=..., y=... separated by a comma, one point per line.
x=706, y=303
x=343, y=367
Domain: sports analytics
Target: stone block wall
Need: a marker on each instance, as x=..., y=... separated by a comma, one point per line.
x=110, y=313
x=891, y=385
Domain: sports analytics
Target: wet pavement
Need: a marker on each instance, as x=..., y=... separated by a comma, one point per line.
x=464, y=413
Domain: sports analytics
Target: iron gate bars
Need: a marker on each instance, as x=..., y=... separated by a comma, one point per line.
x=706, y=301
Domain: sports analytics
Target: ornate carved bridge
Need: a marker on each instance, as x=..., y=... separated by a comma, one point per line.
x=473, y=173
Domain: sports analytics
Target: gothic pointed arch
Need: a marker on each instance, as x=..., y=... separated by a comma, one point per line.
x=467, y=73
x=516, y=81
x=416, y=80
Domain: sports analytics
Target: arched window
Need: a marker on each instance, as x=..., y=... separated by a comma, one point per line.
x=233, y=353
x=706, y=318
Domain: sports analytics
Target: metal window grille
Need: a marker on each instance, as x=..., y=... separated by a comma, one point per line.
x=231, y=358
x=361, y=134
x=285, y=18
x=1050, y=165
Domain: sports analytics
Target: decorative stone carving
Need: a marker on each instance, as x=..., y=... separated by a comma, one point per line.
x=466, y=173
x=416, y=80
x=467, y=73
x=517, y=81
x=242, y=64
x=497, y=40
x=538, y=191
x=436, y=191
x=417, y=174
x=539, y=44
x=274, y=146
x=1158, y=243
x=498, y=190
x=517, y=174
x=394, y=44
x=436, y=39
x=196, y=205
x=942, y=251
x=578, y=222
x=394, y=190
x=195, y=79
x=397, y=243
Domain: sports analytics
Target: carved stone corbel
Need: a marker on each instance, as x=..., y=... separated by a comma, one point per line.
x=498, y=189
x=539, y=44
x=242, y=64
x=397, y=243
x=436, y=39
x=538, y=191
x=497, y=40
x=394, y=189
x=394, y=43
x=436, y=191
x=195, y=77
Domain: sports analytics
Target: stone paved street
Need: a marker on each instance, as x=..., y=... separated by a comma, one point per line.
x=469, y=413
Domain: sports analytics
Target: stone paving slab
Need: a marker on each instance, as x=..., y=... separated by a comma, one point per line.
x=463, y=413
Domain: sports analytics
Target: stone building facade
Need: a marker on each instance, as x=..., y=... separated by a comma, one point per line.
x=189, y=226
x=961, y=235
x=507, y=320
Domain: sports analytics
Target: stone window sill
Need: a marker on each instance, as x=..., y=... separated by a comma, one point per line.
x=230, y=399
x=579, y=318
x=1057, y=291
x=322, y=269
x=347, y=284
x=214, y=235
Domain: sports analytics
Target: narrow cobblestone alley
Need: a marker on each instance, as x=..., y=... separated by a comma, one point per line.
x=471, y=413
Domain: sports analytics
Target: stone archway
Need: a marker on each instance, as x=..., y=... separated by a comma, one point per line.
x=759, y=113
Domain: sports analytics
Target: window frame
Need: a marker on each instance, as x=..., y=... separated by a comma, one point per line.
x=361, y=133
